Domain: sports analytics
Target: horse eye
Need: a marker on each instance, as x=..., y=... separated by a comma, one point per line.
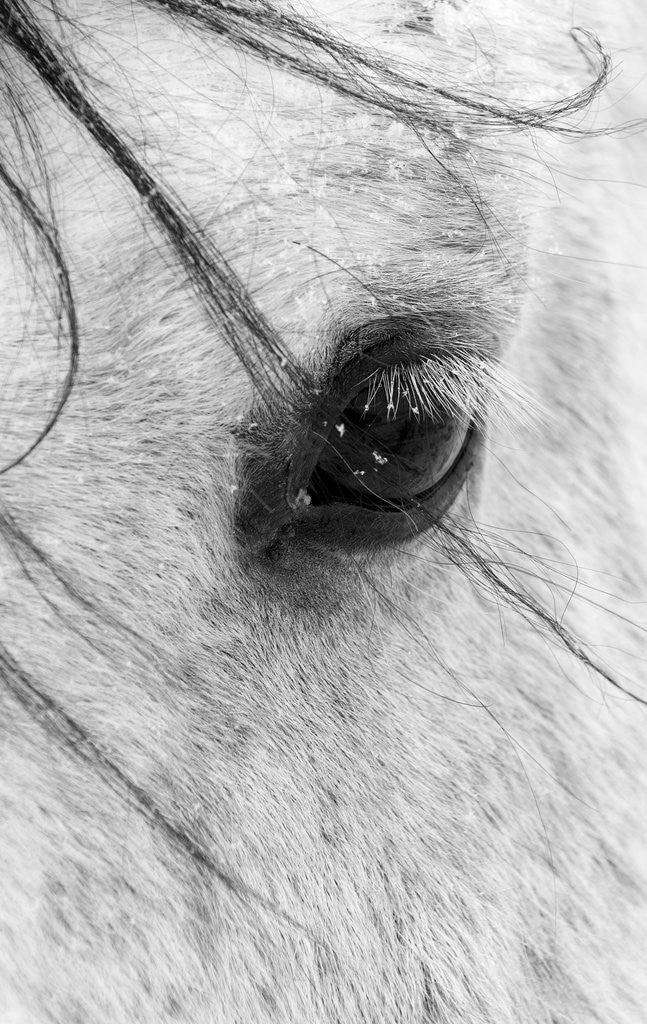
x=388, y=452
x=379, y=458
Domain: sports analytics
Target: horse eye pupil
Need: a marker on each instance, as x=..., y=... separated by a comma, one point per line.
x=379, y=455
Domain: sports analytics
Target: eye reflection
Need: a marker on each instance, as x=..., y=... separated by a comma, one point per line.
x=385, y=453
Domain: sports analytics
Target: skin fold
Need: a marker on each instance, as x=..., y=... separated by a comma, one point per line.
x=251, y=769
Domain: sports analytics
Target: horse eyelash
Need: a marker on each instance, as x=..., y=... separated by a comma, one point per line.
x=466, y=385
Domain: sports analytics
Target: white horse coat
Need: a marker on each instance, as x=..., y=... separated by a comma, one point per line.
x=255, y=766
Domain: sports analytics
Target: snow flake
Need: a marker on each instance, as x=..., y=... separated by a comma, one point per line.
x=302, y=499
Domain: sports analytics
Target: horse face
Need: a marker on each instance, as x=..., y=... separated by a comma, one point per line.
x=322, y=518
